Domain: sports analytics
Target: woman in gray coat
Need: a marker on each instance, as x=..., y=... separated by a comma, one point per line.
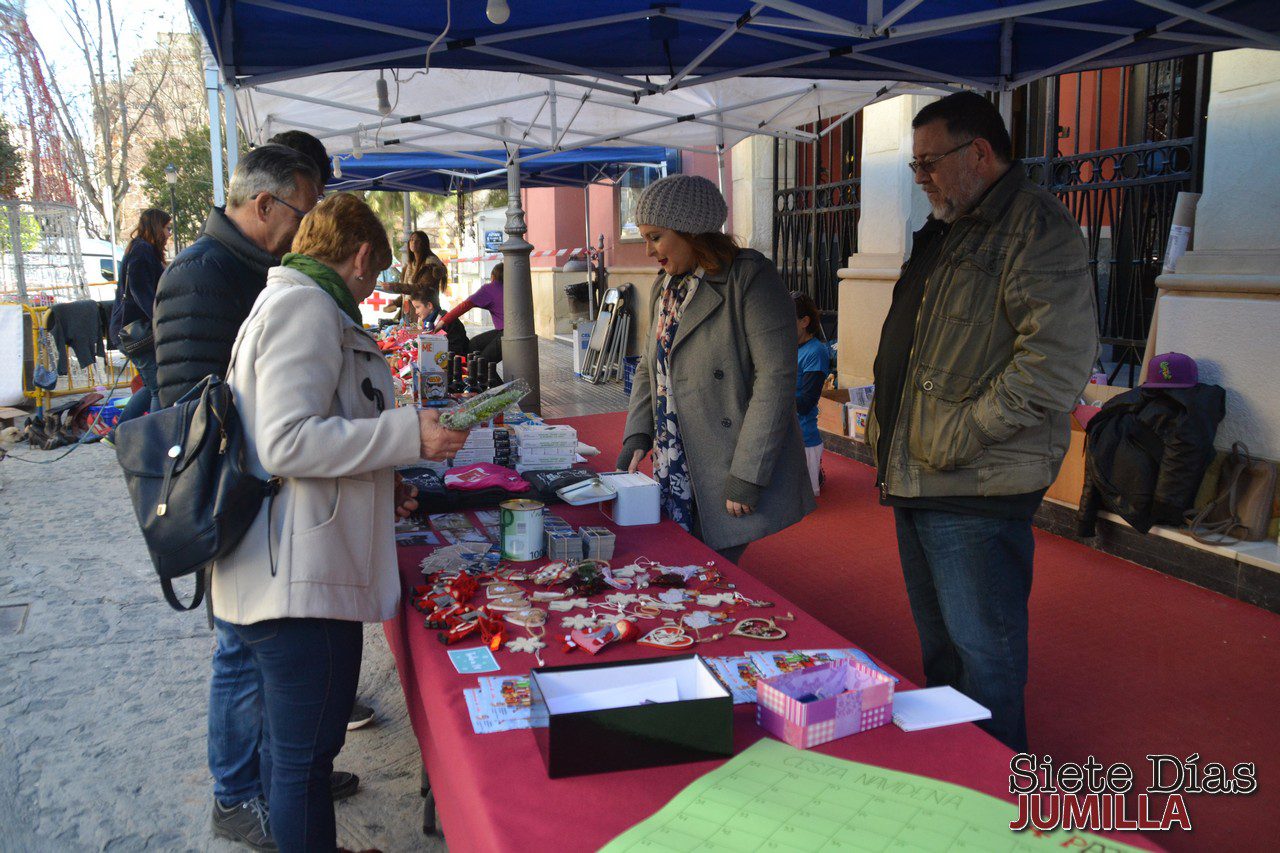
x=713, y=394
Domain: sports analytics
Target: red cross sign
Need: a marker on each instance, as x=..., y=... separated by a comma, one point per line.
x=377, y=301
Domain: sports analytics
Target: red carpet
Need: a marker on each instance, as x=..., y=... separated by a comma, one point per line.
x=1125, y=661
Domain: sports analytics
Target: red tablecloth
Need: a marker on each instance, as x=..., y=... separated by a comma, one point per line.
x=492, y=791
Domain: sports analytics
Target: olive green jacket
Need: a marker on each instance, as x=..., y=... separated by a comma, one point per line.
x=1005, y=341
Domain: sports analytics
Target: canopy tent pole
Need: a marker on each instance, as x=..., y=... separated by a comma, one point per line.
x=586, y=253
x=215, y=126
x=233, y=131
x=407, y=221
x=519, y=343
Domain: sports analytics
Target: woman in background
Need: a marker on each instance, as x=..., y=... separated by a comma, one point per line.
x=144, y=261
x=813, y=363
x=420, y=259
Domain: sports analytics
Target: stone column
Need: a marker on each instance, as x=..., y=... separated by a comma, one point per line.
x=892, y=207
x=1222, y=306
x=752, y=193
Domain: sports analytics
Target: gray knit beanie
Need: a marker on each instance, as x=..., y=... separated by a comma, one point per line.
x=687, y=203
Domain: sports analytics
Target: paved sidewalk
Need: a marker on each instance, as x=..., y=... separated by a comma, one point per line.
x=103, y=693
x=104, y=690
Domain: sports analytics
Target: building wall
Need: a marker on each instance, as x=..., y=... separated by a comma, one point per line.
x=556, y=219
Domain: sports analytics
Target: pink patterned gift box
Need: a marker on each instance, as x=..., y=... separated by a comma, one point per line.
x=852, y=698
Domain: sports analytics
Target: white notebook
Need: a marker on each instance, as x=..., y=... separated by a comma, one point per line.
x=932, y=707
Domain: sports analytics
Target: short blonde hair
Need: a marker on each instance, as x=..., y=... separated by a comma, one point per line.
x=336, y=227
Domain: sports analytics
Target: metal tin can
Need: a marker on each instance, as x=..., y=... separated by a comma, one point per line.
x=522, y=530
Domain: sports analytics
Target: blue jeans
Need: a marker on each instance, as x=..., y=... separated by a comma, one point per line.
x=144, y=401
x=235, y=719
x=968, y=580
x=309, y=669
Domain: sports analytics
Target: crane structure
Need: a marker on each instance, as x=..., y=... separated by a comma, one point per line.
x=50, y=179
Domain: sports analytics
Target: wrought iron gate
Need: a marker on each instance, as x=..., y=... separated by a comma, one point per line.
x=1118, y=165
x=815, y=210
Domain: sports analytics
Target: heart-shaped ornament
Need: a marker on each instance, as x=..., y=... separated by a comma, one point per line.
x=668, y=638
x=509, y=603
x=758, y=629
x=528, y=618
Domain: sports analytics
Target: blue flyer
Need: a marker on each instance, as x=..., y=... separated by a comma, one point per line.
x=468, y=661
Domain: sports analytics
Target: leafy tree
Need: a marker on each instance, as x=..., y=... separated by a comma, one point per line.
x=11, y=163
x=189, y=154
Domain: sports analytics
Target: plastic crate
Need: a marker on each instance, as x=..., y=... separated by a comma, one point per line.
x=110, y=416
x=628, y=372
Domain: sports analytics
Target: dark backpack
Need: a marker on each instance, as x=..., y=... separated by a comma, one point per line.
x=189, y=483
x=1146, y=452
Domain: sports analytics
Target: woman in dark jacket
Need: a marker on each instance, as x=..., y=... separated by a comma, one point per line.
x=714, y=392
x=140, y=271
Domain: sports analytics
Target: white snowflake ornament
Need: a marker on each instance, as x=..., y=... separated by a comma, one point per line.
x=531, y=645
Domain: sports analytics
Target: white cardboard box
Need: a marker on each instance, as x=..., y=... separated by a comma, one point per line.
x=637, y=501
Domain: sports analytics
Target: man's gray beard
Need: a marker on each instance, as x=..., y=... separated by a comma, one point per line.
x=966, y=196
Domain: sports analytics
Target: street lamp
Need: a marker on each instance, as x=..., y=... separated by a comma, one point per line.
x=171, y=178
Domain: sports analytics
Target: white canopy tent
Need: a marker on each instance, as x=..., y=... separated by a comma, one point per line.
x=459, y=112
x=462, y=113
x=620, y=48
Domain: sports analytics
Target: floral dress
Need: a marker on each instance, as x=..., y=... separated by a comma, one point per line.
x=669, y=463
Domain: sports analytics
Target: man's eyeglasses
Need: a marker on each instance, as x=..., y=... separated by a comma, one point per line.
x=932, y=163
x=302, y=213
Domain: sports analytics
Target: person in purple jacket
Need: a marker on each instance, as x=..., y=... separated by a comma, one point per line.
x=489, y=296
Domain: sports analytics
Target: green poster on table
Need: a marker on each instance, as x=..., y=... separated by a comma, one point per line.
x=775, y=797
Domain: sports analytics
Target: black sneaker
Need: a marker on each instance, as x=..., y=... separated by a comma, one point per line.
x=247, y=824
x=361, y=715
x=343, y=784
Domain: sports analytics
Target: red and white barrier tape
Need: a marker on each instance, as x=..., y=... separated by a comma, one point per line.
x=542, y=253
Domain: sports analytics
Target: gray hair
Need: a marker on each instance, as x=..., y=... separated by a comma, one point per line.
x=273, y=169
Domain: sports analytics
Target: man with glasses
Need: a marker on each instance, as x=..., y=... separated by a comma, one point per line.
x=201, y=300
x=989, y=340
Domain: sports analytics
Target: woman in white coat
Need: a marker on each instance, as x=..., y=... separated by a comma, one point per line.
x=316, y=398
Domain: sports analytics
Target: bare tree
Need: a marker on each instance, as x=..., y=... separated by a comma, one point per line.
x=100, y=136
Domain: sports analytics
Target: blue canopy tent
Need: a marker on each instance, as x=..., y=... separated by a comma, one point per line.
x=642, y=57
x=991, y=44
x=424, y=171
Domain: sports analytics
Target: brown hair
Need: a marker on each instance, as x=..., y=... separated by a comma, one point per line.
x=806, y=307
x=496, y=273
x=151, y=229
x=427, y=275
x=335, y=229
x=713, y=250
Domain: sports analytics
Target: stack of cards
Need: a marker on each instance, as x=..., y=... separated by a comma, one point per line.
x=739, y=674
x=597, y=542
x=455, y=528
x=776, y=663
x=543, y=447
x=487, y=444
x=501, y=703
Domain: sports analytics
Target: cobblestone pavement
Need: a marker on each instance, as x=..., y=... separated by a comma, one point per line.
x=104, y=689
x=103, y=692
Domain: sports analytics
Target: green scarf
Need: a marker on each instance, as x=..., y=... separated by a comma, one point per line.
x=330, y=282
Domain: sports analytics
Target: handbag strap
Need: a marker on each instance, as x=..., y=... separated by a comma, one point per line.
x=1222, y=532
x=166, y=585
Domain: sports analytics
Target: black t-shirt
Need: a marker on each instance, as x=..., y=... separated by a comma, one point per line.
x=891, y=366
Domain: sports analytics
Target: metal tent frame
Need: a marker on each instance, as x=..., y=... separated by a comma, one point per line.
x=631, y=56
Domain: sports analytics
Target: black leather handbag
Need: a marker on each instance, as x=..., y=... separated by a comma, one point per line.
x=188, y=480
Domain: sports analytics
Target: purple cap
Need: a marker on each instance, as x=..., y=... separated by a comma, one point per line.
x=1172, y=370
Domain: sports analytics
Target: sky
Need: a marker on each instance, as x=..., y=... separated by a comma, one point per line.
x=138, y=22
